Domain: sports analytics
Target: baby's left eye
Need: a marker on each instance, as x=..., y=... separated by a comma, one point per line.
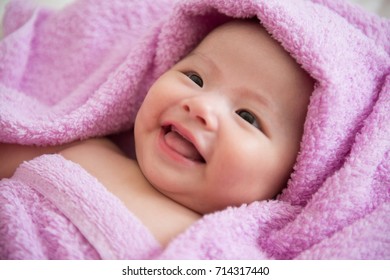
x=249, y=117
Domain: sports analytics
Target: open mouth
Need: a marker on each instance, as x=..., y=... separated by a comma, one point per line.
x=181, y=144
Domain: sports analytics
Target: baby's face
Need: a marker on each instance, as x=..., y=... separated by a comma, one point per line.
x=223, y=126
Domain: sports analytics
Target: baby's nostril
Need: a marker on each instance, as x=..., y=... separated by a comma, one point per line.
x=196, y=113
x=202, y=120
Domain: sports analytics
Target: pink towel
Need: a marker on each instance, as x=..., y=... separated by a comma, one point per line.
x=53, y=209
x=83, y=71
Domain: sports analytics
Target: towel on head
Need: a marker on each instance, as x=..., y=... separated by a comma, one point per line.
x=84, y=71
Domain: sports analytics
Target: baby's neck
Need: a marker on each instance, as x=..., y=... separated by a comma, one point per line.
x=164, y=217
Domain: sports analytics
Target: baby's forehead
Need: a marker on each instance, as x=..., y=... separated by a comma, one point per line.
x=233, y=30
x=239, y=37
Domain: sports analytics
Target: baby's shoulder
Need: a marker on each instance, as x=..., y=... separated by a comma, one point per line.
x=123, y=177
x=93, y=145
x=102, y=159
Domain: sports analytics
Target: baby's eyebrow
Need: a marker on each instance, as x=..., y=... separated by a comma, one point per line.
x=205, y=60
x=255, y=96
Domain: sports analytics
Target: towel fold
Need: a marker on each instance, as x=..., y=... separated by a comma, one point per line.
x=53, y=209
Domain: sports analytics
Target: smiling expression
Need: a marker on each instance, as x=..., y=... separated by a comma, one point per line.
x=223, y=126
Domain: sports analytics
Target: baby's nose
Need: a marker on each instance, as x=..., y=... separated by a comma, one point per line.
x=202, y=110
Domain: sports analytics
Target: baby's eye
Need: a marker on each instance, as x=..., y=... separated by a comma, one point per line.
x=195, y=78
x=249, y=117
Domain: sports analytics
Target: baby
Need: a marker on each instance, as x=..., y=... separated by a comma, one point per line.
x=221, y=128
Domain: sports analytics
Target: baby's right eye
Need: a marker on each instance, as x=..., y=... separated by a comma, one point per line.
x=195, y=78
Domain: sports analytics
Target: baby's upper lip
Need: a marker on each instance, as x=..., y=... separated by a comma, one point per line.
x=186, y=134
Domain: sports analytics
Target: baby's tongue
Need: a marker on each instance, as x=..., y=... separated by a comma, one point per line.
x=182, y=146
